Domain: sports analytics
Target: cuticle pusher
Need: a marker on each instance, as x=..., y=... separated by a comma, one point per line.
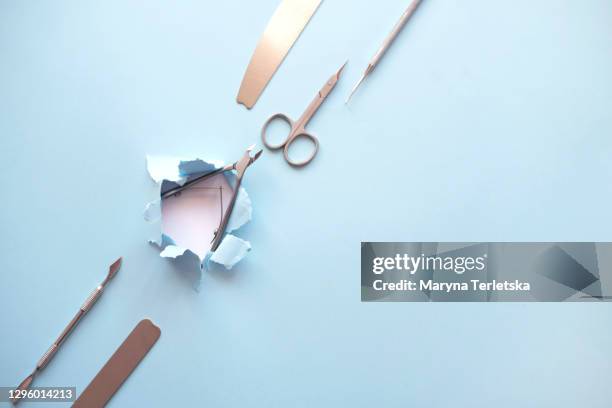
x=87, y=305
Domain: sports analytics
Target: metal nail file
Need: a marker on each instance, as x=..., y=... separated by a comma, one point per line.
x=119, y=366
x=282, y=31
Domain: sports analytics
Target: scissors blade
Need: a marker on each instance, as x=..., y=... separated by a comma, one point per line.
x=256, y=156
x=331, y=82
x=341, y=69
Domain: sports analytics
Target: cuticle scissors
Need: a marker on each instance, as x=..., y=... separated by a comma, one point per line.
x=298, y=128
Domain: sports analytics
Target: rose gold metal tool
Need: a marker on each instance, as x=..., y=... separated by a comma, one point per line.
x=282, y=31
x=240, y=167
x=386, y=44
x=119, y=367
x=87, y=305
x=297, y=129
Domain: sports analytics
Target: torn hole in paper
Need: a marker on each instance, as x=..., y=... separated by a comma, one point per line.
x=188, y=220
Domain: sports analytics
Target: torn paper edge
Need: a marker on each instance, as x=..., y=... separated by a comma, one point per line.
x=232, y=249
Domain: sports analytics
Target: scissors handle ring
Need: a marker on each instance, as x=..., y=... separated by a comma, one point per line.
x=292, y=138
x=264, y=130
x=294, y=134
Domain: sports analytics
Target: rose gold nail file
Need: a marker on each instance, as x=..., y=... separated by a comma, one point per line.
x=282, y=31
x=119, y=367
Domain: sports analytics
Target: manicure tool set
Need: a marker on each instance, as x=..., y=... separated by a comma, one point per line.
x=282, y=31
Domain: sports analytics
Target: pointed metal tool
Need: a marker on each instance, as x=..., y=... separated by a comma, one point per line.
x=87, y=305
x=386, y=44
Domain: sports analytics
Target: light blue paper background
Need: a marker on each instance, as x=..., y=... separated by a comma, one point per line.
x=487, y=121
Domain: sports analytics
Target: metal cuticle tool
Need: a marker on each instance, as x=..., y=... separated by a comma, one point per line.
x=386, y=44
x=239, y=167
x=87, y=305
